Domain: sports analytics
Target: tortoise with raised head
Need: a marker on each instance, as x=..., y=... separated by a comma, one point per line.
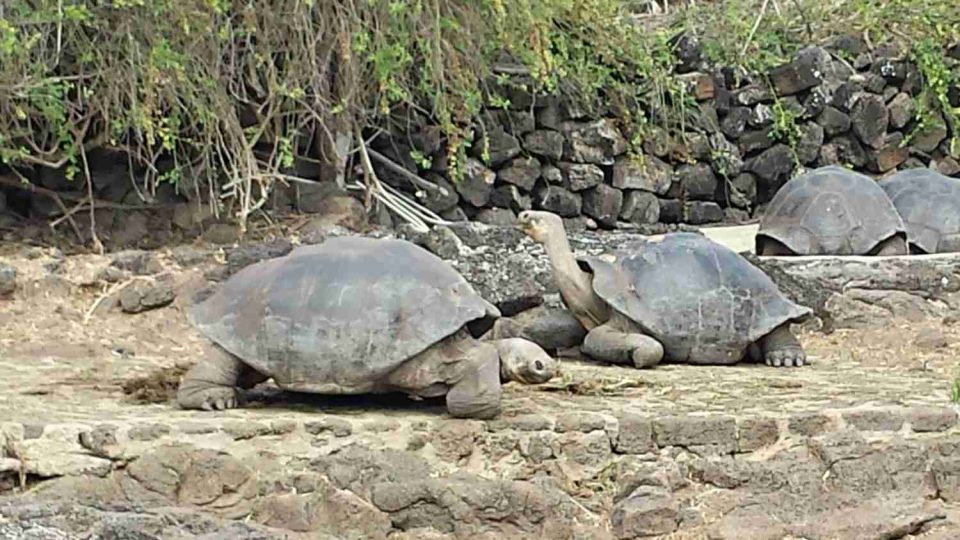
x=929, y=203
x=679, y=297
x=831, y=211
x=357, y=315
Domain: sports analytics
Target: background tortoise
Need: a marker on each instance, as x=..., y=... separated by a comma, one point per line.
x=357, y=315
x=929, y=204
x=831, y=211
x=679, y=296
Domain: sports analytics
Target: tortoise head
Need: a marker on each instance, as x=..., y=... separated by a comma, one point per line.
x=524, y=361
x=541, y=226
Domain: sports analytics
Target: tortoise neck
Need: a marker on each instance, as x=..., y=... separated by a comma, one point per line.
x=576, y=285
x=565, y=267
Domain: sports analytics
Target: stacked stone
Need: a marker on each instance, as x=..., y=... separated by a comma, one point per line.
x=851, y=107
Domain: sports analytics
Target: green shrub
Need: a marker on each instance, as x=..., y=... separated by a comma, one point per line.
x=229, y=92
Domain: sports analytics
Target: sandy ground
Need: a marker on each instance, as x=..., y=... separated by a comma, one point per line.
x=72, y=361
x=62, y=360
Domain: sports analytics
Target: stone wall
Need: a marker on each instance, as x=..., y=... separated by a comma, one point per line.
x=853, y=106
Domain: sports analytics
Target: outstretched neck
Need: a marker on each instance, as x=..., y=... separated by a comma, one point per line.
x=576, y=286
x=564, y=264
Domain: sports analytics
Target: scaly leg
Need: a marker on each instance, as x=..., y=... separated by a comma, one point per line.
x=611, y=345
x=476, y=394
x=212, y=383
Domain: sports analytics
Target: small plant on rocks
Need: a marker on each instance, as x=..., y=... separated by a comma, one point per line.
x=933, y=103
x=786, y=127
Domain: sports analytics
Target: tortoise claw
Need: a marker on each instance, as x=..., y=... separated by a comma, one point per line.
x=216, y=399
x=788, y=357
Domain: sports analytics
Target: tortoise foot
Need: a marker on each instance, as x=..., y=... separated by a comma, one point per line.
x=789, y=357
x=647, y=351
x=210, y=398
x=609, y=344
x=211, y=384
x=781, y=349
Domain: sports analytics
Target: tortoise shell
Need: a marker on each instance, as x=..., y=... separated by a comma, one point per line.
x=701, y=300
x=929, y=204
x=337, y=317
x=830, y=211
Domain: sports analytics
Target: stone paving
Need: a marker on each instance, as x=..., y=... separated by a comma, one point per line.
x=861, y=443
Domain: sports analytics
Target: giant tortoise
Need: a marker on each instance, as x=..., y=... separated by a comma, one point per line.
x=929, y=204
x=679, y=297
x=357, y=315
x=831, y=211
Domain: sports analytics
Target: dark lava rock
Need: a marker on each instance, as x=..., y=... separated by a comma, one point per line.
x=551, y=328
x=581, y=176
x=870, y=118
x=653, y=175
x=477, y=183
x=501, y=217
x=439, y=200
x=671, y=210
x=698, y=181
x=247, y=254
x=559, y=201
x=509, y=196
x=143, y=296
x=597, y=142
x=795, y=77
x=808, y=148
x=773, y=165
x=833, y=121
x=603, y=203
x=699, y=212
x=546, y=143
x=640, y=207
x=521, y=172
x=502, y=146
x=902, y=109
x=735, y=122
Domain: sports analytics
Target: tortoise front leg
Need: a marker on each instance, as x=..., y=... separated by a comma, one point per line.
x=476, y=393
x=609, y=344
x=780, y=348
x=212, y=383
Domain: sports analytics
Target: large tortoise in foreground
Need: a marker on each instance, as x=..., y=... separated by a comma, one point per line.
x=357, y=315
x=679, y=297
x=831, y=211
x=929, y=203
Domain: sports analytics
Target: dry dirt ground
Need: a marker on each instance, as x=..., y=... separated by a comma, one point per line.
x=861, y=443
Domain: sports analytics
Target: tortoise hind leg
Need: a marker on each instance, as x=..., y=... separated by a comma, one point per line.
x=781, y=348
x=476, y=392
x=212, y=383
x=609, y=344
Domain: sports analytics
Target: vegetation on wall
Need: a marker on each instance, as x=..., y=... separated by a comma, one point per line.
x=222, y=95
x=758, y=35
